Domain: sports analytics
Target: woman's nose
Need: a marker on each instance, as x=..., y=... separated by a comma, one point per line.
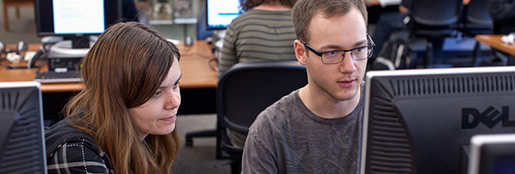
x=173, y=100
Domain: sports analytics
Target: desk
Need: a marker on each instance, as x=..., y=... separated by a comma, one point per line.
x=198, y=82
x=495, y=41
x=194, y=65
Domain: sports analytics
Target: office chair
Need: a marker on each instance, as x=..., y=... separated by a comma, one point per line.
x=243, y=92
x=202, y=34
x=432, y=20
x=478, y=15
x=476, y=20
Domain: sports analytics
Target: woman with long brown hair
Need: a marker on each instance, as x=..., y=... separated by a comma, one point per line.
x=123, y=121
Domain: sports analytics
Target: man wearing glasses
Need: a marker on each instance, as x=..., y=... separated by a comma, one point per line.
x=317, y=129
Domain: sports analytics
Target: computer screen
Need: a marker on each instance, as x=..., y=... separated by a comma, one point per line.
x=492, y=154
x=22, y=147
x=220, y=13
x=419, y=121
x=75, y=19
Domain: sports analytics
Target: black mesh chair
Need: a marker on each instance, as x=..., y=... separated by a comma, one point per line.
x=243, y=92
x=433, y=21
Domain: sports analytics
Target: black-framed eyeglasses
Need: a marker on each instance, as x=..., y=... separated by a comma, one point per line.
x=336, y=56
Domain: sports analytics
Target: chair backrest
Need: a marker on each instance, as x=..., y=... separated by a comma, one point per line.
x=436, y=12
x=478, y=12
x=244, y=91
x=476, y=18
x=248, y=88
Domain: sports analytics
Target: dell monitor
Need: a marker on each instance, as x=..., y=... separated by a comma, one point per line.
x=22, y=147
x=76, y=20
x=220, y=13
x=492, y=154
x=420, y=121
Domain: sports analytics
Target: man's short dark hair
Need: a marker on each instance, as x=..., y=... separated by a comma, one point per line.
x=304, y=10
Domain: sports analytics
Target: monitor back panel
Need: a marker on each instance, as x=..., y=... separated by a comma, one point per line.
x=418, y=123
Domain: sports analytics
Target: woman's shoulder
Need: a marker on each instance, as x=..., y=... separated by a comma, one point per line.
x=78, y=155
x=69, y=149
x=61, y=133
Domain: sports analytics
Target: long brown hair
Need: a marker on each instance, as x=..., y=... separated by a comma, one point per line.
x=123, y=70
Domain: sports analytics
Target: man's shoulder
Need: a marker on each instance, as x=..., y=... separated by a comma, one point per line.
x=278, y=113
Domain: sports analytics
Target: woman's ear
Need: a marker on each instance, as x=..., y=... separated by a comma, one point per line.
x=300, y=52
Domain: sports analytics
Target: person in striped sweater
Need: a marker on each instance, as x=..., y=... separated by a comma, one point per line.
x=264, y=32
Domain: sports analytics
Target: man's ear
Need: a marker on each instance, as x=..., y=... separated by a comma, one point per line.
x=300, y=52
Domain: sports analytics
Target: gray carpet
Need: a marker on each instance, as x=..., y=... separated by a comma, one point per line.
x=197, y=159
x=201, y=157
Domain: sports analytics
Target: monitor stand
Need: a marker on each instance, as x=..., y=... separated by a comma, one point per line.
x=464, y=158
x=78, y=41
x=63, y=57
x=72, y=47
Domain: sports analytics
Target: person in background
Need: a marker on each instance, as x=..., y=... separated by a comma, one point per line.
x=129, y=10
x=389, y=23
x=123, y=120
x=503, y=16
x=317, y=128
x=264, y=32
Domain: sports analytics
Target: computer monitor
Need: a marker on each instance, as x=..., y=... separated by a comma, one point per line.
x=22, y=147
x=76, y=20
x=419, y=121
x=220, y=13
x=492, y=154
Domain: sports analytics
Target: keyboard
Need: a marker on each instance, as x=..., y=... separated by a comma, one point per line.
x=58, y=77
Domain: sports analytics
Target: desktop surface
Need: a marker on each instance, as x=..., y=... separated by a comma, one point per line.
x=496, y=42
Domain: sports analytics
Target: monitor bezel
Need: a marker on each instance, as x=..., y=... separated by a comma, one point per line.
x=112, y=10
x=37, y=86
x=481, y=150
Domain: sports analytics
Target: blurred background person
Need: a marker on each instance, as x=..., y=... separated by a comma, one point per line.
x=264, y=32
x=503, y=16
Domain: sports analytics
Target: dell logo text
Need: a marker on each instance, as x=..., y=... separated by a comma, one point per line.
x=470, y=117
